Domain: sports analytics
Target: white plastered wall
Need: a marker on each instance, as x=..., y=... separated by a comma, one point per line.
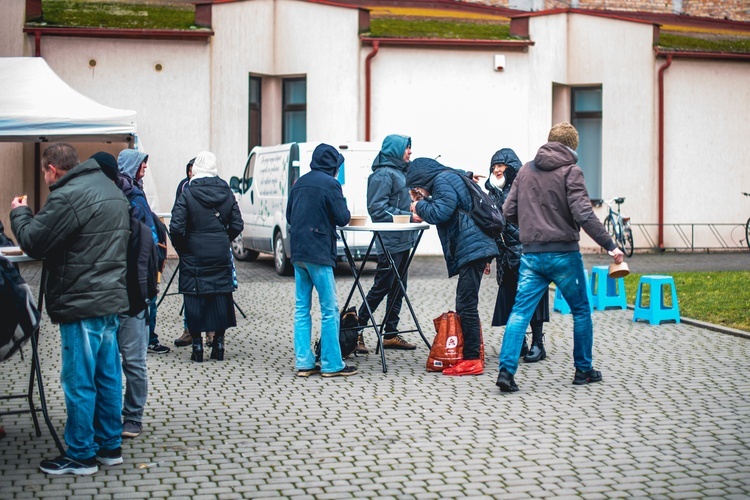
x=285, y=38
x=619, y=56
x=453, y=104
x=706, y=147
x=173, y=104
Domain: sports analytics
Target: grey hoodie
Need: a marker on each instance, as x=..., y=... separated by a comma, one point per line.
x=129, y=161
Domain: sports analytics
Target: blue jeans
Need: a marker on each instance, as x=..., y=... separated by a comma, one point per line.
x=91, y=378
x=538, y=270
x=307, y=276
x=132, y=339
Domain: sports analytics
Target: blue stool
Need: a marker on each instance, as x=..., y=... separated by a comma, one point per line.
x=608, y=293
x=561, y=305
x=656, y=311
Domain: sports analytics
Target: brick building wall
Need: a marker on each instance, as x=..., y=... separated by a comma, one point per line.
x=736, y=10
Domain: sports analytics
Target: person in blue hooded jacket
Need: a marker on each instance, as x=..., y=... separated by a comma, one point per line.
x=132, y=165
x=504, y=166
x=442, y=198
x=315, y=207
x=387, y=195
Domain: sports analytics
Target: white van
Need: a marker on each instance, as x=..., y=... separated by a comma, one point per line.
x=263, y=190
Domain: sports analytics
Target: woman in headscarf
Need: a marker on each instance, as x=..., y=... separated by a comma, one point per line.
x=205, y=219
x=503, y=168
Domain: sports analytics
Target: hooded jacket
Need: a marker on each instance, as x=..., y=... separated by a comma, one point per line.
x=448, y=206
x=387, y=194
x=509, y=245
x=316, y=206
x=205, y=220
x=550, y=204
x=128, y=163
x=82, y=235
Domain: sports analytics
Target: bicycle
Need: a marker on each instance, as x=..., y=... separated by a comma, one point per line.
x=618, y=226
x=747, y=229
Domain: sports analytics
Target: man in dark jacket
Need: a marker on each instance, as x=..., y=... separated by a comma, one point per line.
x=445, y=200
x=550, y=203
x=82, y=235
x=387, y=195
x=316, y=206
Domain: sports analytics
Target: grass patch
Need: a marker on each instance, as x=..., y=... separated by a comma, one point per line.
x=116, y=15
x=704, y=43
x=431, y=28
x=721, y=298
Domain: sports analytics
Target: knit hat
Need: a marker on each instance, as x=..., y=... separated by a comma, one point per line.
x=204, y=165
x=564, y=133
x=107, y=163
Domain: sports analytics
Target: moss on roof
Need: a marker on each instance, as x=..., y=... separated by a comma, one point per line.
x=704, y=42
x=113, y=14
x=389, y=27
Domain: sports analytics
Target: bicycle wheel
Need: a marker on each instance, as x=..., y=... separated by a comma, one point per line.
x=609, y=225
x=627, y=236
x=747, y=233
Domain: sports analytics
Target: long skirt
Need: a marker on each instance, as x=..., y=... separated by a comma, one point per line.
x=209, y=313
x=506, y=297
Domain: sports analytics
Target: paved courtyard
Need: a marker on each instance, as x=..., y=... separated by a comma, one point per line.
x=669, y=420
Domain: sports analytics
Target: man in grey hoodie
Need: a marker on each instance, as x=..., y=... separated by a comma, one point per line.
x=133, y=335
x=387, y=195
x=550, y=204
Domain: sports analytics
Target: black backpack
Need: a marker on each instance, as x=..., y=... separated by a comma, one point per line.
x=161, y=247
x=142, y=273
x=484, y=212
x=348, y=332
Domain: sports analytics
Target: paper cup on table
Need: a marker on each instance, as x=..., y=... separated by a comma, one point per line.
x=358, y=220
x=401, y=219
x=618, y=270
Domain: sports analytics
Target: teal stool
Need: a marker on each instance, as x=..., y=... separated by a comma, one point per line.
x=561, y=305
x=608, y=293
x=656, y=312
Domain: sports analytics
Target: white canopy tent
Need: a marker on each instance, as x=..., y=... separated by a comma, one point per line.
x=36, y=105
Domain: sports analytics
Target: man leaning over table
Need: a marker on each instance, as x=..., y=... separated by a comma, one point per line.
x=82, y=233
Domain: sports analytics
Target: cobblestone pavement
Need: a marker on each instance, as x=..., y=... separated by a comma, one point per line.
x=669, y=420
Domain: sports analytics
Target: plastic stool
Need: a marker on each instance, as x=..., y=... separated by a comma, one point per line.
x=656, y=311
x=608, y=293
x=561, y=305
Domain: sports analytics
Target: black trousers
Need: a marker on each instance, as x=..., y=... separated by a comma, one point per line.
x=467, y=305
x=382, y=287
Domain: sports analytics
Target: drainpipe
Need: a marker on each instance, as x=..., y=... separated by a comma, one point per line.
x=368, y=86
x=37, y=43
x=37, y=146
x=661, y=150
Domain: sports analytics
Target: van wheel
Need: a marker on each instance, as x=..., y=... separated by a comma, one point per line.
x=242, y=253
x=280, y=261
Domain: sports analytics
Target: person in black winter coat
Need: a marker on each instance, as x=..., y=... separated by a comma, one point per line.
x=205, y=219
x=316, y=206
x=503, y=169
x=442, y=198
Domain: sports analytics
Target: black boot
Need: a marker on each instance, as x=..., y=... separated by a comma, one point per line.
x=217, y=351
x=524, y=348
x=197, y=354
x=537, y=351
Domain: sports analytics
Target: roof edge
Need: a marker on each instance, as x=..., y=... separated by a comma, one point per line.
x=202, y=35
x=696, y=54
x=447, y=42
